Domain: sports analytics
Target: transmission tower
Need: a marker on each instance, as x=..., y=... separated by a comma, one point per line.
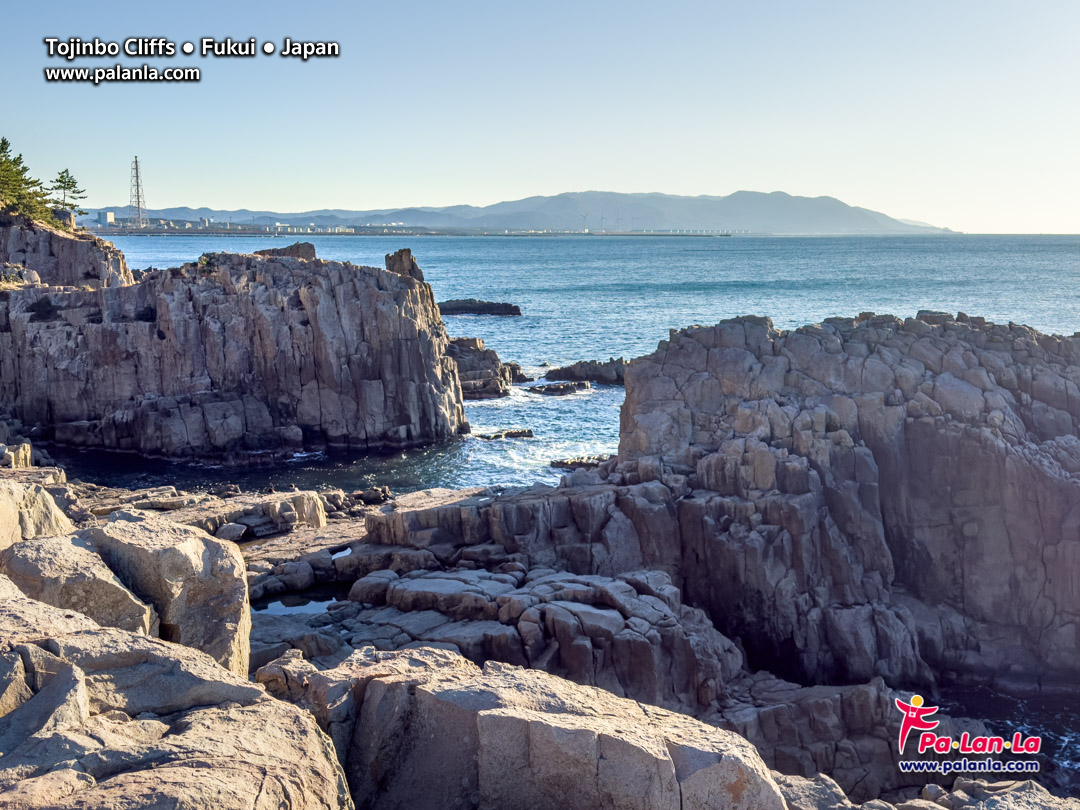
x=137, y=202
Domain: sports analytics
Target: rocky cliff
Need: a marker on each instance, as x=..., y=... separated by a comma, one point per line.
x=62, y=258
x=942, y=453
x=232, y=356
x=864, y=497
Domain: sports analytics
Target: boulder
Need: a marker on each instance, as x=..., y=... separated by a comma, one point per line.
x=66, y=572
x=27, y=510
x=194, y=581
x=106, y=719
x=424, y=727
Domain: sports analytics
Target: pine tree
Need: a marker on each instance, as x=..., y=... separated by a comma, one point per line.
x=66, y=187
x=21, y=194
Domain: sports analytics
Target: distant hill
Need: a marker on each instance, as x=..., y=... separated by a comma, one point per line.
x=757, y=212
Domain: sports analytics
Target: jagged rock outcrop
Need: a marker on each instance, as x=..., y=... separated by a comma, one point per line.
x=62, y=258
x=94, y=717
x=17, y=457
x=137, y=571
x=781, y=577
x=297, y=250
x=234, y=356
x=427, y=728
x=946, y=451
x=632, y=635
x=854, y=499
x=473, y=306
x=482, y=374
x=609, y=372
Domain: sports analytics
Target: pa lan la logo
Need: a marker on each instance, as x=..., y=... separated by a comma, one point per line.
x=917, y=717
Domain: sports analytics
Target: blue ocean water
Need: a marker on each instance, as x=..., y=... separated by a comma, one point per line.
x=594, y=297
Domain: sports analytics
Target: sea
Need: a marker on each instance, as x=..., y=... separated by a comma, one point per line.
x=587, y=297
x=600, y=296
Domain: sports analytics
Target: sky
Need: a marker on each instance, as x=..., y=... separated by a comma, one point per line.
x=961, y=114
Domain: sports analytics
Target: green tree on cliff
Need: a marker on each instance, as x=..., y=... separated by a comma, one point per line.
x=20, y=194
x=67, y=192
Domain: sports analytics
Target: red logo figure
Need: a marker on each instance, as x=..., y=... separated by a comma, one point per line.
x=915, y=715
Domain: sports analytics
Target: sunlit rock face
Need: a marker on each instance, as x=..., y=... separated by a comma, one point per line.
x=62, y=258
x=234, y=355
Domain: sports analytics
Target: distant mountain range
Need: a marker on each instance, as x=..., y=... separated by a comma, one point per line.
x=757, y=212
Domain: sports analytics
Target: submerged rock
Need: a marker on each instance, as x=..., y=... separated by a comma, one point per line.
x=472, y=306
x=610, y=372
x=559, y=389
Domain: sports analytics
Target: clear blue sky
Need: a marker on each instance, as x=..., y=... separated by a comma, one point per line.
x=963, y=114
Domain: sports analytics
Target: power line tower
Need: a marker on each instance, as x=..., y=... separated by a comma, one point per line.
x=137, y=202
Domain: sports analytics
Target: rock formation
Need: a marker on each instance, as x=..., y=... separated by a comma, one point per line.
x=62, y=258
x=560, y=389
x=822, y=793
x=471, y=306
x=234, y=356
x=945, y=449
x=94, y=717
x=482, y=374
x=852, y=499
x=136, y=571
x=610, y=372
x=298, y=250
x=426, y=728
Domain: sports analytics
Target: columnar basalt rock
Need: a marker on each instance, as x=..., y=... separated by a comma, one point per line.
x=482, y=374
x=234, y=356
x=945, y=448
x=854, y=499
x=62, y=258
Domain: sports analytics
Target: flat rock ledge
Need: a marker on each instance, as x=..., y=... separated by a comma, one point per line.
x=472, y=306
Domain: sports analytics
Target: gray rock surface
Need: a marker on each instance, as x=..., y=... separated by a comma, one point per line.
x=945, y=451
x=427, y=728
x=196, y=582
x=606, y=372
x=472, y=306
x=100, y=718
x=482, y=374
x=62, y=258
x=233, y=355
